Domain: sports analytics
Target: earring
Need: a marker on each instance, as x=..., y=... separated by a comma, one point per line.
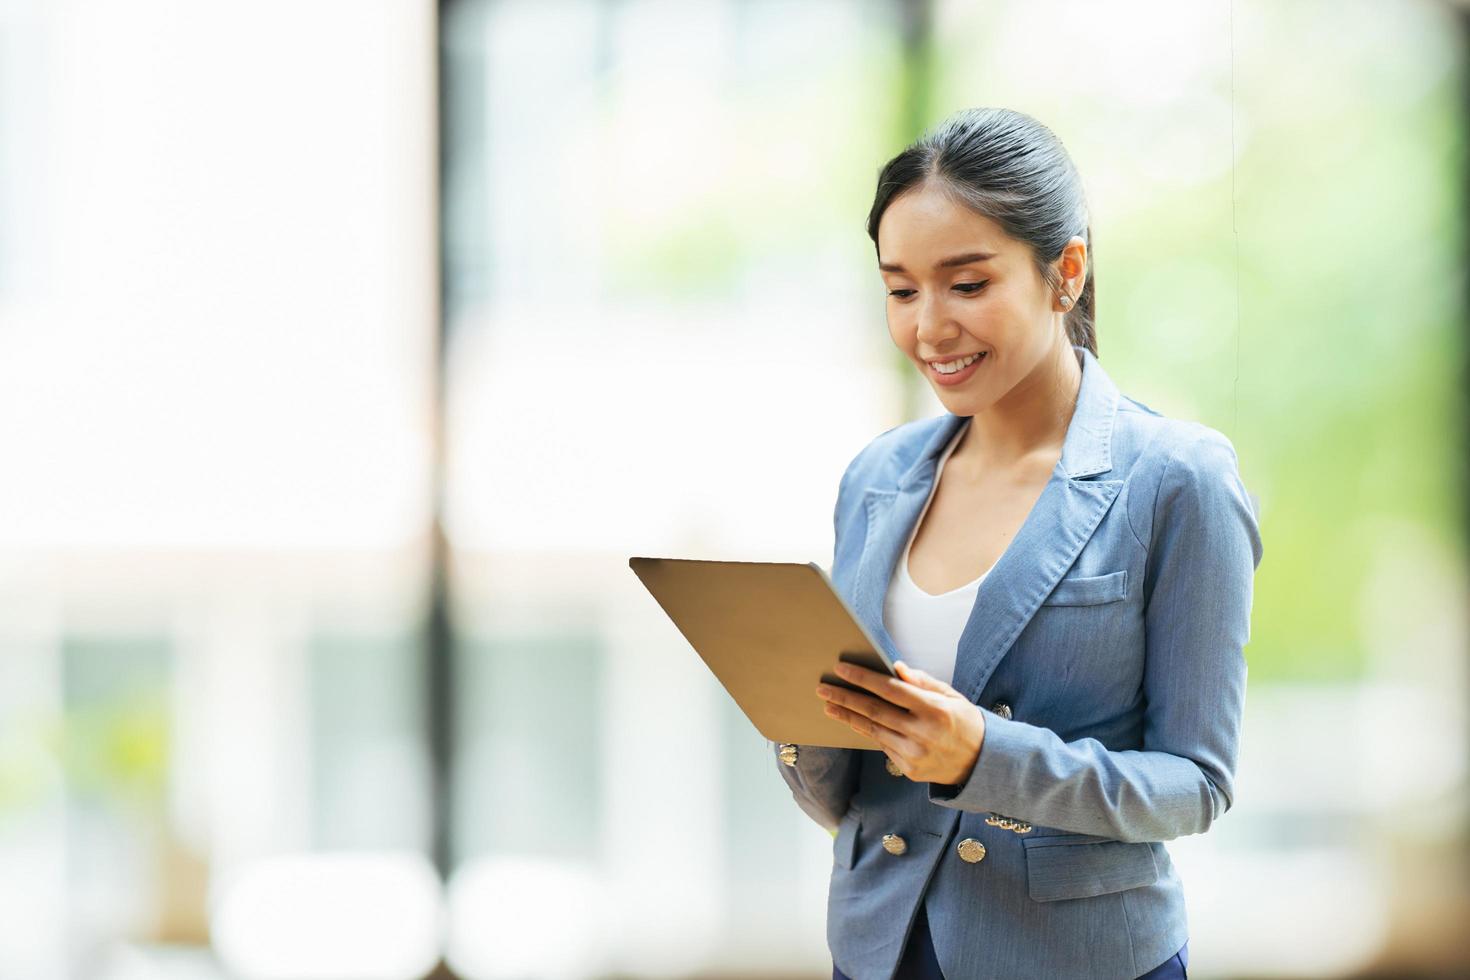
x=1066, y=300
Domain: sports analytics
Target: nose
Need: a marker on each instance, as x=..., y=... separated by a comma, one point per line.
x=933, y=325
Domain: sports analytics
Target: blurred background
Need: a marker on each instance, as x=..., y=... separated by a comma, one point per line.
x=348, y=348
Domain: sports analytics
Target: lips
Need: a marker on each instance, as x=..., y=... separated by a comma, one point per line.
x=960, y=376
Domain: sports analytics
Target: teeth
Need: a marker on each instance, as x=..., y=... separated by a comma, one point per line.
x=950, y=367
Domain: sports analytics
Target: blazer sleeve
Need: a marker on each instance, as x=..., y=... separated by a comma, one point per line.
x=824, y=779
x=1204, y=548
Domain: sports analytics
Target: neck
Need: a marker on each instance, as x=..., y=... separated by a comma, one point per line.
x=1033, y=416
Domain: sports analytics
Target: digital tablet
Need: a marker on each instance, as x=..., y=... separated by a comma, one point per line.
x=769, y=631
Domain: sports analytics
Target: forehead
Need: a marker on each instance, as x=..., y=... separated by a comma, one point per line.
x=924, y=224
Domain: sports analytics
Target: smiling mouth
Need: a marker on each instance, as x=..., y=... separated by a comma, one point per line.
x=955, y=366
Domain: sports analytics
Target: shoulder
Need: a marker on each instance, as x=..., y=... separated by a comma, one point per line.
x=890, y=453
x=1151, y=447
x=1177, y=471
x=1153, y=439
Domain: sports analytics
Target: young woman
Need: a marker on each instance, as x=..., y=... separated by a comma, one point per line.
x=1065, y=577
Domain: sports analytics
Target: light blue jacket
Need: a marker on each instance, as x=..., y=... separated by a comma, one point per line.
x=1112, y=628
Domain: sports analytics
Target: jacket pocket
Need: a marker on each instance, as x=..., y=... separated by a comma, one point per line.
x=844, y=845
x=1083, y=865
x=1089, y=590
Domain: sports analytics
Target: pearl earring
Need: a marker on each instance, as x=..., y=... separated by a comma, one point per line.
x=1066, y=300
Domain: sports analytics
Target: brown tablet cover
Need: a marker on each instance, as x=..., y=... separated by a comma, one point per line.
x=769, y=631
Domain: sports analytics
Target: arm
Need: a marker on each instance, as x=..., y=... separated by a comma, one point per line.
x=1203, y=552
x=823, y=779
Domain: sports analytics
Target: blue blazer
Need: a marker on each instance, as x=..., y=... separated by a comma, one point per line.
x=1105, y=648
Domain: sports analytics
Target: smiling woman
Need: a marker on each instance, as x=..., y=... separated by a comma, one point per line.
x=1067, y=575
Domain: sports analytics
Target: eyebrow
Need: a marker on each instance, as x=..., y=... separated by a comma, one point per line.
x=966, y=259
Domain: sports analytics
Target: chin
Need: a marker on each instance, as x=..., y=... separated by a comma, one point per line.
x=954, y=404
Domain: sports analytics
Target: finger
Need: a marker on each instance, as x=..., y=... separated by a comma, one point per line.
x=893, y=743
x=893, y=690
x=883, y=712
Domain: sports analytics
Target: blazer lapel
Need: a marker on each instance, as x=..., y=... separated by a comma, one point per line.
x=891, y=514
x=1059, y=524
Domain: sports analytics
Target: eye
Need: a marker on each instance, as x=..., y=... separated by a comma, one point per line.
x=967, y=288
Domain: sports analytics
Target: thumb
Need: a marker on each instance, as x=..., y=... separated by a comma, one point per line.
x=920, y=678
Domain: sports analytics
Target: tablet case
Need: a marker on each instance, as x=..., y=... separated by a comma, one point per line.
x=769, y=631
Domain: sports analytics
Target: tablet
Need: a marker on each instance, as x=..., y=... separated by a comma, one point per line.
x=769, y=632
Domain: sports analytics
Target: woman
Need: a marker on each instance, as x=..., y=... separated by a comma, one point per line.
x=1064, y=576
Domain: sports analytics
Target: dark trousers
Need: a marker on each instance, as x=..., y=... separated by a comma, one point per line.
x=920, y=963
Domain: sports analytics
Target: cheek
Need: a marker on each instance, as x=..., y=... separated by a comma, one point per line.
x=898, y=330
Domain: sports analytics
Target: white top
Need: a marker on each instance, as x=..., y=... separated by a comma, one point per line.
x=926, y=627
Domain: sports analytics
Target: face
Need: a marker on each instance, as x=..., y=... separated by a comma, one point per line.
x=959, y=286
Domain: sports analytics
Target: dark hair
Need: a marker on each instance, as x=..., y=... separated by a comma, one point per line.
x=1010, y=168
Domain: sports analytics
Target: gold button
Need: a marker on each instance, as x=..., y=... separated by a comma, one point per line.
x=971, y=850
x=892, y=767
x=1009, y=823
x=788, y=753
x=894, y=844
x=1002, y=709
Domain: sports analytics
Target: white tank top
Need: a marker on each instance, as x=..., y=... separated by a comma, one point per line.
x=926, y=627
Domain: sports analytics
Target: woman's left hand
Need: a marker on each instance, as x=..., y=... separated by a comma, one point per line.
x=932, y=731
